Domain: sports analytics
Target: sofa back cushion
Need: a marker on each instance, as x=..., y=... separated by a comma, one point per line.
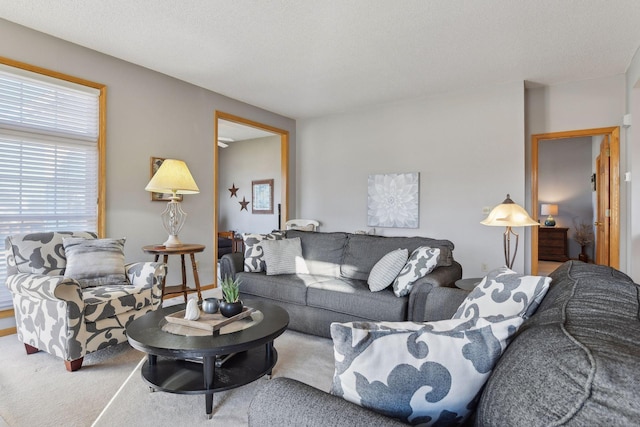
x=363, y=252
x=322, y=252
x=39, y=253
x=575, y=361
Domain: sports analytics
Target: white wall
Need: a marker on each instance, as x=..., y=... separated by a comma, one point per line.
x=240, y=164
x=564, y=172
x=468, y=148
x=148, y=114
x=632, y=106
x=579, y=105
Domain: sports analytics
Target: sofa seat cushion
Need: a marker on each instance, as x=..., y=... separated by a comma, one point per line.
x=102, y=302
x=363, y=252
x=354, y=297
x=575, y=362
x=285, y=287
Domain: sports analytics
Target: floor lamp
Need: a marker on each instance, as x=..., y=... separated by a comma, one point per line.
x=508, y=214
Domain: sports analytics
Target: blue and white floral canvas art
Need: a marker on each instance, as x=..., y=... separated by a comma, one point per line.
x=393, y=200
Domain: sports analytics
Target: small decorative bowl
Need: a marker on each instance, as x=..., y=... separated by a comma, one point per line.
x=210, y=305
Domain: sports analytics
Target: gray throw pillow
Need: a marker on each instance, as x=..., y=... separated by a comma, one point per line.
x=426, y=374
x=283, y=256
x=95, y=262
x=386, y=269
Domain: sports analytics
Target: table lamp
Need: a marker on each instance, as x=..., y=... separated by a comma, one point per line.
x=508, y=214
x=549, y=210
x=173, y=177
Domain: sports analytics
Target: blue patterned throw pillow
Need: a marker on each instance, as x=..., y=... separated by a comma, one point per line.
x=504, y=293
x=427, y=374
x=423, y=260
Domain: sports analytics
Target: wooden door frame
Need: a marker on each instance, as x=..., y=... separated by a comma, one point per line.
x=614, y=187
x=284, y=167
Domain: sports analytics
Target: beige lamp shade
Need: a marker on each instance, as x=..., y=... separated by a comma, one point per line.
x=509, y=214
x=174, y=177
x=549, y=209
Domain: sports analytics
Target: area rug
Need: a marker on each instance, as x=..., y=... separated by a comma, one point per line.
x=306, y=358
x=37, y=390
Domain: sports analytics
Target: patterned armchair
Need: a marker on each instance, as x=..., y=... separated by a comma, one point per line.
x=56, y=314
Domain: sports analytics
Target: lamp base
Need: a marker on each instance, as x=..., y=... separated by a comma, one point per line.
x=550, y=222
x=172, y=242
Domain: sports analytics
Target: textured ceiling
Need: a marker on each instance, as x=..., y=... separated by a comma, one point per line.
x=309, y=58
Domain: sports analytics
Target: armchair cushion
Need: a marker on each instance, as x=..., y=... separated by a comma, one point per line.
x=95, y=262
x=106, y=301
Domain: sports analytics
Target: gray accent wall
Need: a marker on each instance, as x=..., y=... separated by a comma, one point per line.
x=564, y=178
x=148, y=114
x=240, y=164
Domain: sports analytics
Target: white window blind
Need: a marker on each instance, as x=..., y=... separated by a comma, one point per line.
x=48, y=158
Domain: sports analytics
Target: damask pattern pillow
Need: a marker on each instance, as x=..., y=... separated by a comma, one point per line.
x=253, y=252
x=427, y=376
x=95, y=262
x=387, y=269
x=505, y=293
x=423, y=260
x=283, y=256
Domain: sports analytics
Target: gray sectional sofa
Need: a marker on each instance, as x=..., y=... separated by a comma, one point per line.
x=336, y=290
x=574, y=362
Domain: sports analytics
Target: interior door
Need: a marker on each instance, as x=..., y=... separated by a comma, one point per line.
x=603, y=203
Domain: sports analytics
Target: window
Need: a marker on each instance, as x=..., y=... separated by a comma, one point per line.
x=51, y=144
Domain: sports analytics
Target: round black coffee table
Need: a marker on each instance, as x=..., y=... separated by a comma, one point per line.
x=187, y=364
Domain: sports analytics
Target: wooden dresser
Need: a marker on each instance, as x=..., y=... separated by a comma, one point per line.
x=552, y=244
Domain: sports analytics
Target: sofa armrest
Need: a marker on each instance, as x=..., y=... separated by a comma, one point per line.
x=230, y=264
x=148, y=275
x=440, y=277
x=442, y=303
x=287, y=402
x=43, y=287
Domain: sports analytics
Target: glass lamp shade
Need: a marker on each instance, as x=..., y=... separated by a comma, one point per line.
x=173, y=177
x=508, y=214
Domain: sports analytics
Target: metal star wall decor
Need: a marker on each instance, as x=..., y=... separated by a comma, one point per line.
x=233, y=190
x=243, y=204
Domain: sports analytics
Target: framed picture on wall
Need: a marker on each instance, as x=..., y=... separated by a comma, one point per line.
x=262, y=196
x=156, y=162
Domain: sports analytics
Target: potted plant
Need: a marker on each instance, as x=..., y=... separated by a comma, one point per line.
x=584, y=237
x=230, y=304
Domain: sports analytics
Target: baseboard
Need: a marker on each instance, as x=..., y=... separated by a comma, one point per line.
x=8, y=331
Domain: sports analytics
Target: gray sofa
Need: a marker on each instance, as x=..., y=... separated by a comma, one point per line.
x=575, y=363
x=336, y=290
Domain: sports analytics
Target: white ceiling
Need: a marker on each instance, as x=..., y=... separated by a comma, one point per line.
x=309, y=58
x=239, y=132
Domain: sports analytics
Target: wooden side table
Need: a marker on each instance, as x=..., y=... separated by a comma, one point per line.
x=187, y=249
x=552, y=244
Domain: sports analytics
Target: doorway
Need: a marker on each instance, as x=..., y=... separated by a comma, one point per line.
x=607, y=187
x=219, y=117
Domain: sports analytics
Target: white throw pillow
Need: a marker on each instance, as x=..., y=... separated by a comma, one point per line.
x=284, y=256
x=503, y=292
x=423, y=260
x=95, y=262
x=425, y=376
x=387, y=269
x=253, y=254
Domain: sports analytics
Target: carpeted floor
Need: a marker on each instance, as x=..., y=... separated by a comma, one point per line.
x=109, y=391
x=303, y=357
x=37, y=390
